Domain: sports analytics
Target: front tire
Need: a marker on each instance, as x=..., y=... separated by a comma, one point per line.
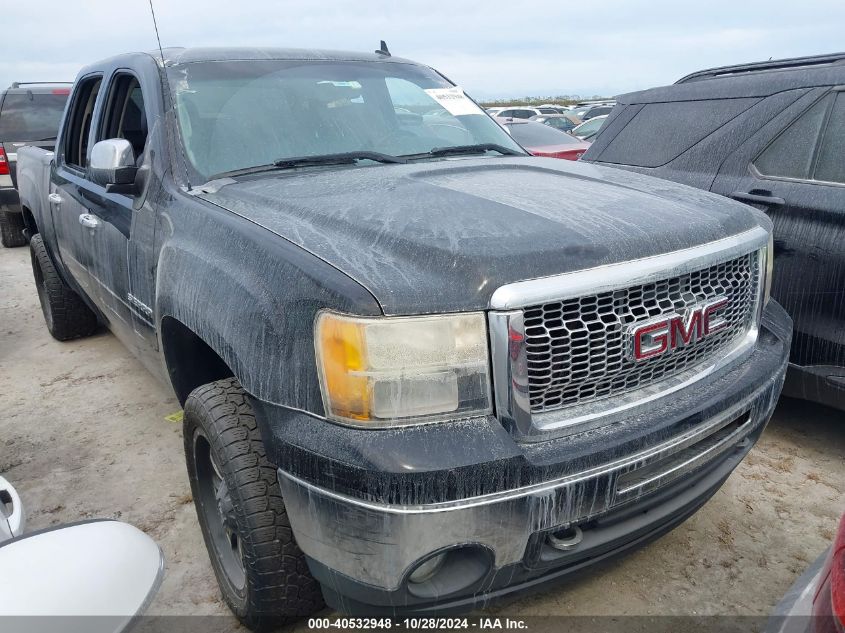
x=11, y=229
x=261, y=571
x=65, y=313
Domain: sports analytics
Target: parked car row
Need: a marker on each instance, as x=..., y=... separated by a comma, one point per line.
x=581, y=120
x=582, y=111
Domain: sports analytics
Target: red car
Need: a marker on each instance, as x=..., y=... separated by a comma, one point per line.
x=816, y=602
x=542, y=140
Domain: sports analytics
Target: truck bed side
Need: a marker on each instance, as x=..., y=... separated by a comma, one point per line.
x=33, y=171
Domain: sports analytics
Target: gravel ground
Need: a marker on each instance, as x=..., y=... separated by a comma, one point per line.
x=83, y=434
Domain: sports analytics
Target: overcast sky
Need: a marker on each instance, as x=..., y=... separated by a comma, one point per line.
x=492, y=48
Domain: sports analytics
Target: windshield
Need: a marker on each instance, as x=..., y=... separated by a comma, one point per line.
x=590, y=126
x=32, y=116
x=235, y=115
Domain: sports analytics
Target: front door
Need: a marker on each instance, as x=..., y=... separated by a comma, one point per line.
x=124, y=225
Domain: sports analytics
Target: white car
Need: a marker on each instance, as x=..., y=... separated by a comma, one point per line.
x=11, y=512
x=519, y=112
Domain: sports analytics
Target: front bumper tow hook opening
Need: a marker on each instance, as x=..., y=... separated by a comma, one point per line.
x=566, y=539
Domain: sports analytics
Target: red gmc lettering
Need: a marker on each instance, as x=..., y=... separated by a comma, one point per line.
x=688, y=332
x=674, y=331
x=711, y=325
x=661, y=341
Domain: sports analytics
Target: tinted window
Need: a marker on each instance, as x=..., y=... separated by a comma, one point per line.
x=660, y=132
x=830, y=165
x=790, y=155
x=533, y=134
x=522, y=114
x=32, y=117
x=124, y=115
x=79, y=127
x=547, y=111
x=240, y=114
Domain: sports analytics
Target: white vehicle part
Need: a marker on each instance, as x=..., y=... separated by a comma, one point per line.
x=96, y=576
x=12, y=520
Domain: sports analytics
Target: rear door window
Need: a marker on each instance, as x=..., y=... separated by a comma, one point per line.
x=660, y=132
x=79, y=123
x=790, y=155
x=32, y=116
x=830, y=164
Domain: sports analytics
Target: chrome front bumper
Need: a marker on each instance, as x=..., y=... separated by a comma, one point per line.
x=378, y=544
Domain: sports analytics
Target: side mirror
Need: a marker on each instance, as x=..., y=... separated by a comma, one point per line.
x=112, y=165
x=95, y=576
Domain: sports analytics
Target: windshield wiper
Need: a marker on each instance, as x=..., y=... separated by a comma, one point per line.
x=342, y=158
x=457, y=150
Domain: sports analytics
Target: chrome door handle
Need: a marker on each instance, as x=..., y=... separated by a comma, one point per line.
x=89, y=221
x=54, y=198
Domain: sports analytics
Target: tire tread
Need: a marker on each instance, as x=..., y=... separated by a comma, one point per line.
x=280, y=588
x=11, y=229
x=71, y=317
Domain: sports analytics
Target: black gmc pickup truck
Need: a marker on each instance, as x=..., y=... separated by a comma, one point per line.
x=420, y=369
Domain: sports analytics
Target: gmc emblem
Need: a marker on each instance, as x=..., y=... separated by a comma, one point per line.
x=669, y=332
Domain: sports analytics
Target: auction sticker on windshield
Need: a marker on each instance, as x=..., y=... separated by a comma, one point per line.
x=454, y=100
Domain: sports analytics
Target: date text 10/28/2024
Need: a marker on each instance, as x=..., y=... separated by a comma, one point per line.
x=436, y=624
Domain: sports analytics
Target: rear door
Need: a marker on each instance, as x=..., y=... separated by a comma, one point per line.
x=67, y=200
x=794, y=170
x=30, y=117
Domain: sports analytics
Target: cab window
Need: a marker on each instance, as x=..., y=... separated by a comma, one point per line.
x=124, y=116
x=79, y=128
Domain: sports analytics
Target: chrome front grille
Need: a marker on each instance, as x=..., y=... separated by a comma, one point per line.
x=576, y=349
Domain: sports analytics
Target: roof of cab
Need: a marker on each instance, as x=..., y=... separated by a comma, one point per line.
x=177, y=55
x=202, y=54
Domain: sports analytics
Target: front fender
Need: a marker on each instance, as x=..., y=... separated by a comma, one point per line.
x=252, y=297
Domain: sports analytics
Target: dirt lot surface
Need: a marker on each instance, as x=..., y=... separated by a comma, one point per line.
x=83, y=434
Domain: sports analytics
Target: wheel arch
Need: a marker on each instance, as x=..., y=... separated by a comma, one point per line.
x=29, y=220
x=190, y=361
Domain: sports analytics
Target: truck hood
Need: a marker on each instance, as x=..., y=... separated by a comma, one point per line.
x=442, y=236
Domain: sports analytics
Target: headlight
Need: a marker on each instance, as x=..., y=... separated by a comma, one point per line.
x=770, y=264
x=382, y=371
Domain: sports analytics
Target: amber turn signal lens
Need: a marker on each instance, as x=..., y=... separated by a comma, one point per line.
x=341, y=345
x=393, y=371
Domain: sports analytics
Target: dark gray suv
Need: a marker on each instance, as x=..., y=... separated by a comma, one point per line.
x=29, y=115
x=770, y=134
